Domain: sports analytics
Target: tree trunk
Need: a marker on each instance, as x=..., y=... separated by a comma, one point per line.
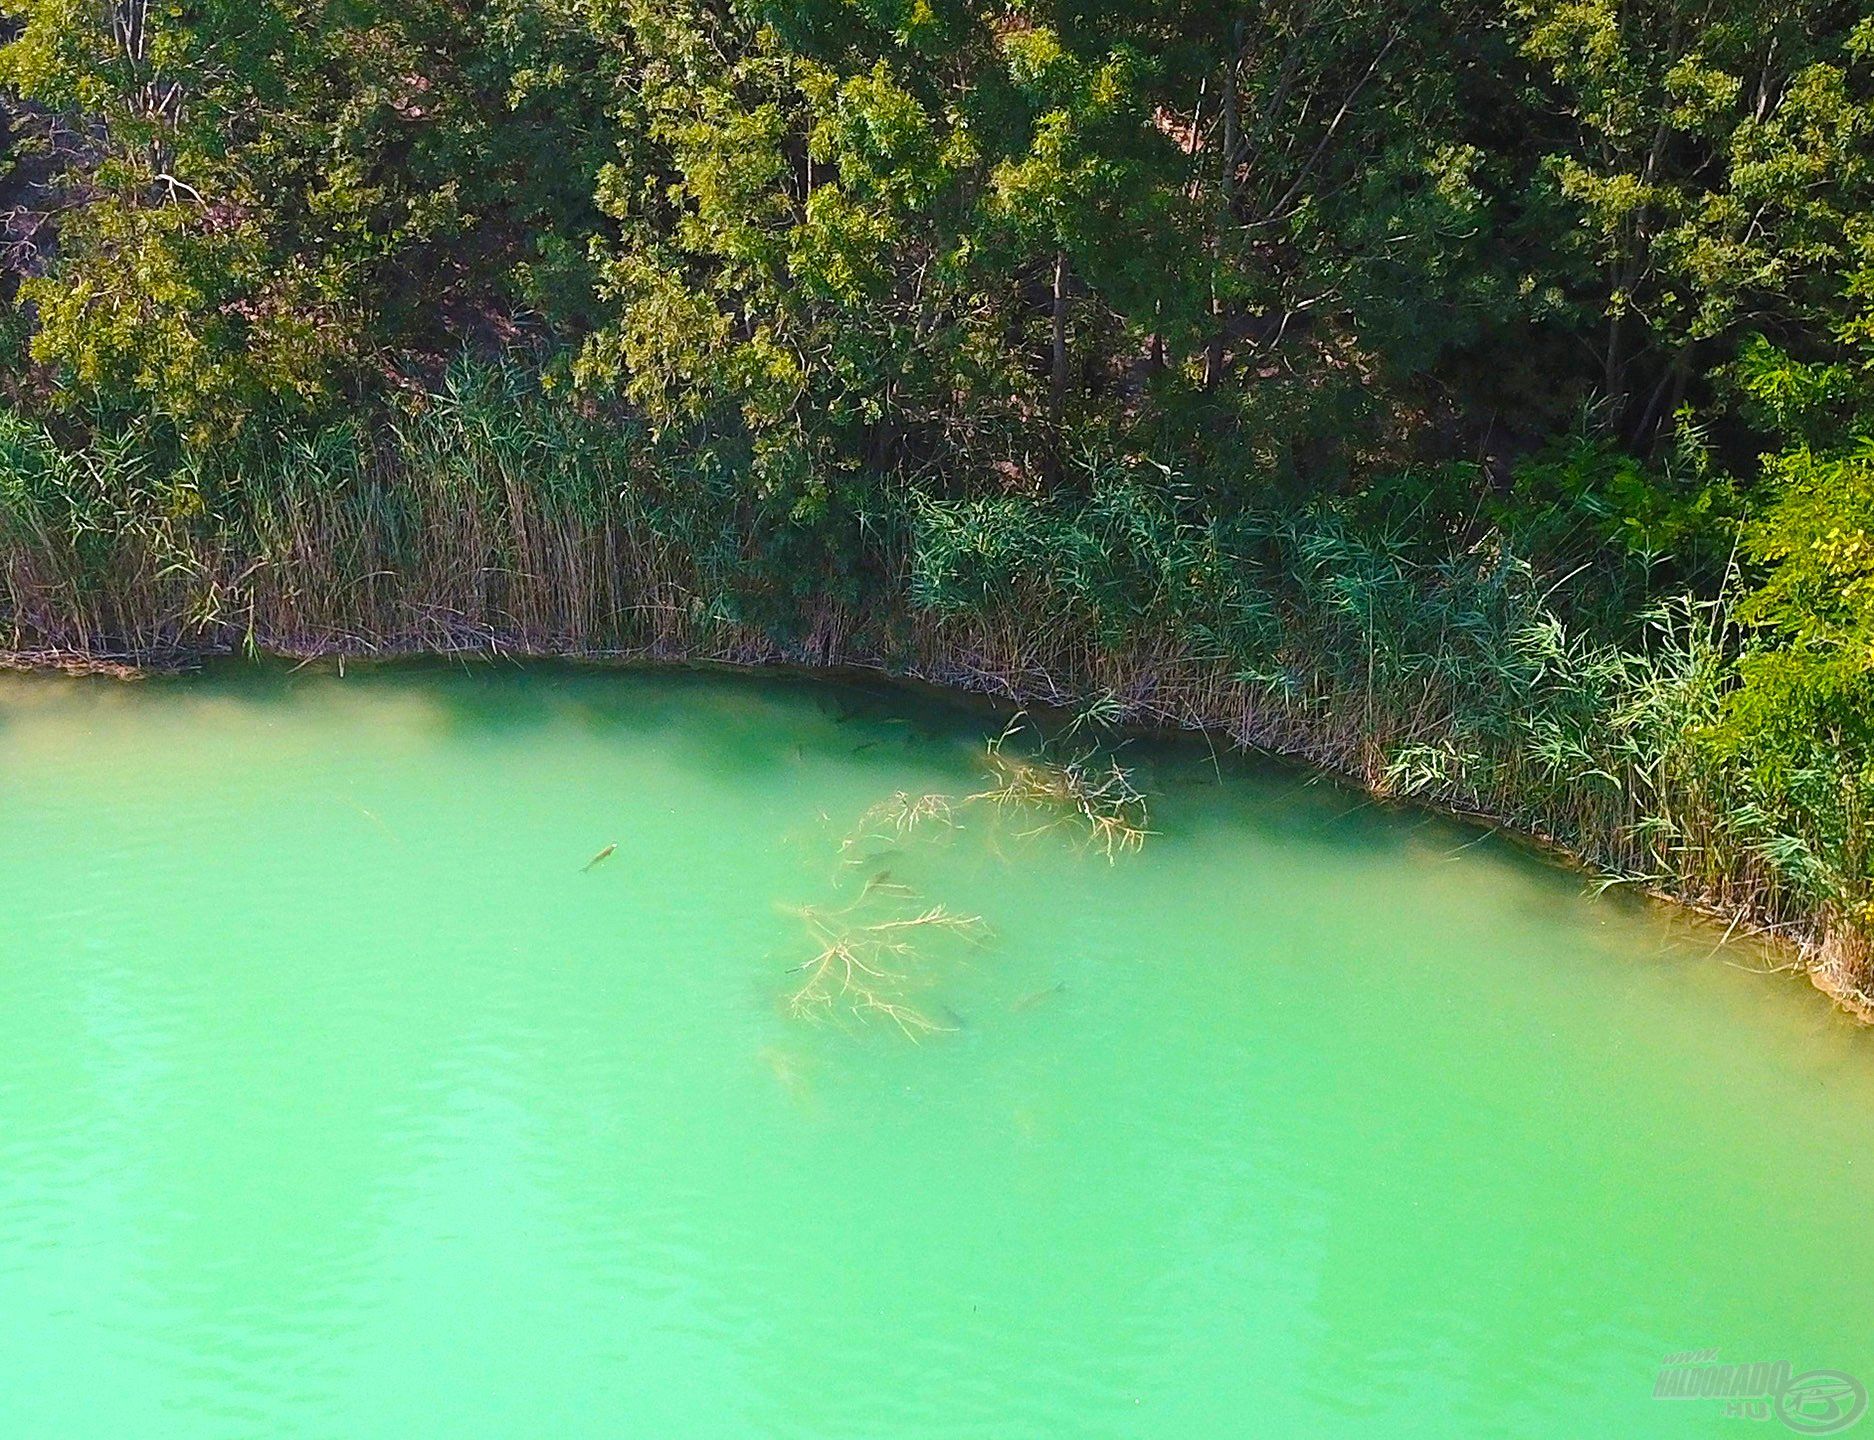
x=1226, y=203
x=1057, y=378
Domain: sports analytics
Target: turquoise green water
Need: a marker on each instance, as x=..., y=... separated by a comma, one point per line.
x=338, y=1101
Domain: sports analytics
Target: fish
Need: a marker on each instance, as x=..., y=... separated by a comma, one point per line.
x=372, y=816
x=883, y=884
x=604, y=854
x=1028, y=1002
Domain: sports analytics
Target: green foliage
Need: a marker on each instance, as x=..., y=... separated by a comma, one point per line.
x=1816, y=681
x=268, y=202
x=1717, y=156
x=940, y=238
x=1799, y=727
x=1672, y=520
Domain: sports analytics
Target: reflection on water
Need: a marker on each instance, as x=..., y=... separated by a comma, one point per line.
x=345, y=1091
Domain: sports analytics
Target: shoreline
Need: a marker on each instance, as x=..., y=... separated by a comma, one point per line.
x=960, y=682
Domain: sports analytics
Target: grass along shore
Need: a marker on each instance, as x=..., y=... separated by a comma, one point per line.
x=498, y=522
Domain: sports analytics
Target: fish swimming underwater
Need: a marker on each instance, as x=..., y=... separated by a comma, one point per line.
x=883, y=884
x=1028, y=1002
x=604, y=854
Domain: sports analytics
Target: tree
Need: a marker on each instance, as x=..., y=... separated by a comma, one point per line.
x=1713, y=154
x=264, y=202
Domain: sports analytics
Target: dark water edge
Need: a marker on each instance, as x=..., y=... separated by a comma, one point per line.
x=1793, y=949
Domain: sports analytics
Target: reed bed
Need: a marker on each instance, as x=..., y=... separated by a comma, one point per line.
x=499, y=520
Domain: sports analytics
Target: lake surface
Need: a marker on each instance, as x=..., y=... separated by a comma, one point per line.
x=339, y=1100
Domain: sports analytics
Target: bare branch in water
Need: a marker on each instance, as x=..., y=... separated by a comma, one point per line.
x=1072, y=791
x=872, y=967
x=873, y=953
